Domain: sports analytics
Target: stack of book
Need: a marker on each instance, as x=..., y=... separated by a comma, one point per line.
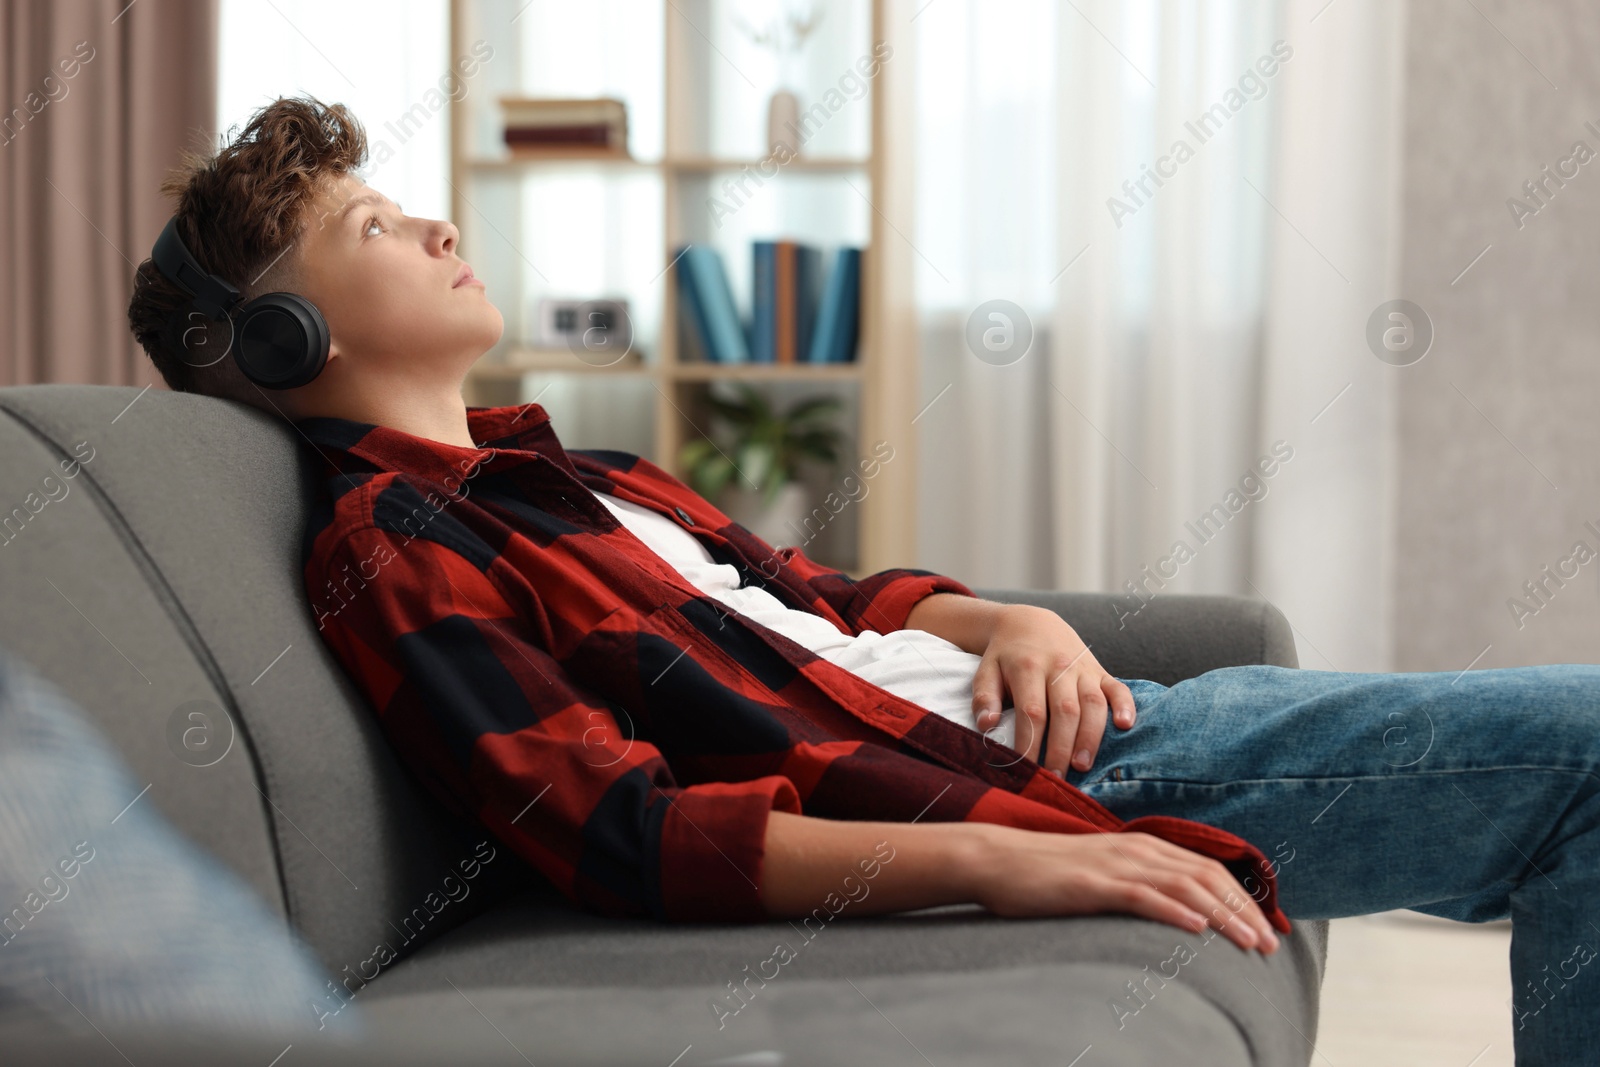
x=540, y=126
x=798, y=315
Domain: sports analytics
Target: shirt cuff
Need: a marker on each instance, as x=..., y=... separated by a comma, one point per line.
x=713, y=840
x=893, y=604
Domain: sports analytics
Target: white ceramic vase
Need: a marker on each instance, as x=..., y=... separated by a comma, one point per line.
x=783, y=122
x=782, y=523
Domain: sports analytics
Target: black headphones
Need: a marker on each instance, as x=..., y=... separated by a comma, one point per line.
x=279, y=340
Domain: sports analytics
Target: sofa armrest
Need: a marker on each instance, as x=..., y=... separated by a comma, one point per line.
x=1175, y=636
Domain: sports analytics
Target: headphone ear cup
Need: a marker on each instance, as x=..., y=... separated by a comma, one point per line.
x=281, y=341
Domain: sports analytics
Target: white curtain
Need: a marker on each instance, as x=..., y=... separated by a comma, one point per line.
x=1189, y=203
x=1325, y=548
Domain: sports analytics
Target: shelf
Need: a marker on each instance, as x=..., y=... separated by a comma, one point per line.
x=560, y=362
x=701, y=372
x=692, y=164
x=518, y=361
x=685, y=165
x=559, y=159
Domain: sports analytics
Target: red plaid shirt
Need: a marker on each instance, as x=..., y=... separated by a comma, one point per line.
x=543, y=671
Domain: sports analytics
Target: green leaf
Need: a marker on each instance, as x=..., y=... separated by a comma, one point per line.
x=694, y=452
x=771, y=494
x=718, y=472
x=757, y=460
x=756, y=401
x=814, y=407
x=735, y=412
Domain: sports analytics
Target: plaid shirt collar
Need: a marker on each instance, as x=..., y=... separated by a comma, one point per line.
x=506, y=437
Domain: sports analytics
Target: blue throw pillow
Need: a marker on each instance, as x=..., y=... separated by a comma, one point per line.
x=108, y=915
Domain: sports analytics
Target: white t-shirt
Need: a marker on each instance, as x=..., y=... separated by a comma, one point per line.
x=919, y=666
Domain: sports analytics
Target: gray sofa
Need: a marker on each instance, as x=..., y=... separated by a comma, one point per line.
x=168, y=573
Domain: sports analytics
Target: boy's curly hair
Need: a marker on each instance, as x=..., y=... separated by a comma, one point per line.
x=240, y=211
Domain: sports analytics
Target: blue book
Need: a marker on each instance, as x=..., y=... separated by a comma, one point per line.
x=808, y=292
x=696, y=330
x=834, y=338
x=827, y=315
x=764, y=302
x=724, y=329
x=844, y=341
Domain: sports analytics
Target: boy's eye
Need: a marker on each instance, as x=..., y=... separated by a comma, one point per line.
x=371, y=222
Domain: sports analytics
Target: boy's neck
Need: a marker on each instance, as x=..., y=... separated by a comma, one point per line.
x=439, y=415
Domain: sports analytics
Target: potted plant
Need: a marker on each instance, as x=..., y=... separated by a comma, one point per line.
x=755, y=471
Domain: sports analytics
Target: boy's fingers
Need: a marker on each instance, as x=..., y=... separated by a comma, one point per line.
x=1120, y=697
x=986, y=693
x=1065, y=716
x=1091, y=722
x=1028, y=698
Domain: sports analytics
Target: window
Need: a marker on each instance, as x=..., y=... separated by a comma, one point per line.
x=387, y=63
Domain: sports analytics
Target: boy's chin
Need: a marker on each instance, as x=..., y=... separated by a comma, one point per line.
x=491, y=319
x=492, y=336
x=476, y=334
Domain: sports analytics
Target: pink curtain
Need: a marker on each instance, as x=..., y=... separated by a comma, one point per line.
x=97, y=97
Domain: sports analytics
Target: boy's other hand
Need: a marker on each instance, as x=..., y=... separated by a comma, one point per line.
x=1027, y=873
x=1048, y=671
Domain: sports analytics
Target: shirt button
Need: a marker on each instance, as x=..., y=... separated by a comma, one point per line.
x=684, y=515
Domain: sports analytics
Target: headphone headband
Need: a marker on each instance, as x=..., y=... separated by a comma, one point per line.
x=212, y=295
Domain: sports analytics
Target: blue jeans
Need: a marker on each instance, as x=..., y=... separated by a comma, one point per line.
x=1471, y=796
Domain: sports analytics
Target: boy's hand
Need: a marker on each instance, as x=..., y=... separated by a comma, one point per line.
x=1010, y=871
x=1030, y=874
x=1047, y=669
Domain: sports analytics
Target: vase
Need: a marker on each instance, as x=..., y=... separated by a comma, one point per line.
x=783, y=123
x=778, y=524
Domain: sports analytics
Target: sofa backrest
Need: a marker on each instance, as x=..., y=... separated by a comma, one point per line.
x=150, y=567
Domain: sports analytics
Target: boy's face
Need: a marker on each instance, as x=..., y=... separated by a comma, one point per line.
x=385, y=285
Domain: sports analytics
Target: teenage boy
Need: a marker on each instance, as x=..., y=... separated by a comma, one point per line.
x=668, y=717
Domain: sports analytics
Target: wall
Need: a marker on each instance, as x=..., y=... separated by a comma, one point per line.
x=1499, y=441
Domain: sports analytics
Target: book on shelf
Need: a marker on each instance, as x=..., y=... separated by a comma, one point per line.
x=808, y=293
x=763, y=305
x=705, y=298
x=833, y=338
x=786, y=278
x=797, y=314
x=556, y=125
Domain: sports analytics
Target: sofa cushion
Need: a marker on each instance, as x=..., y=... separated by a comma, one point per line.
x=1015, y=1015
x=80, y=607
x=1024, y=990
x=167, y=580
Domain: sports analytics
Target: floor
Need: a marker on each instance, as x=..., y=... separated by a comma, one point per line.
x=1408, y=990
